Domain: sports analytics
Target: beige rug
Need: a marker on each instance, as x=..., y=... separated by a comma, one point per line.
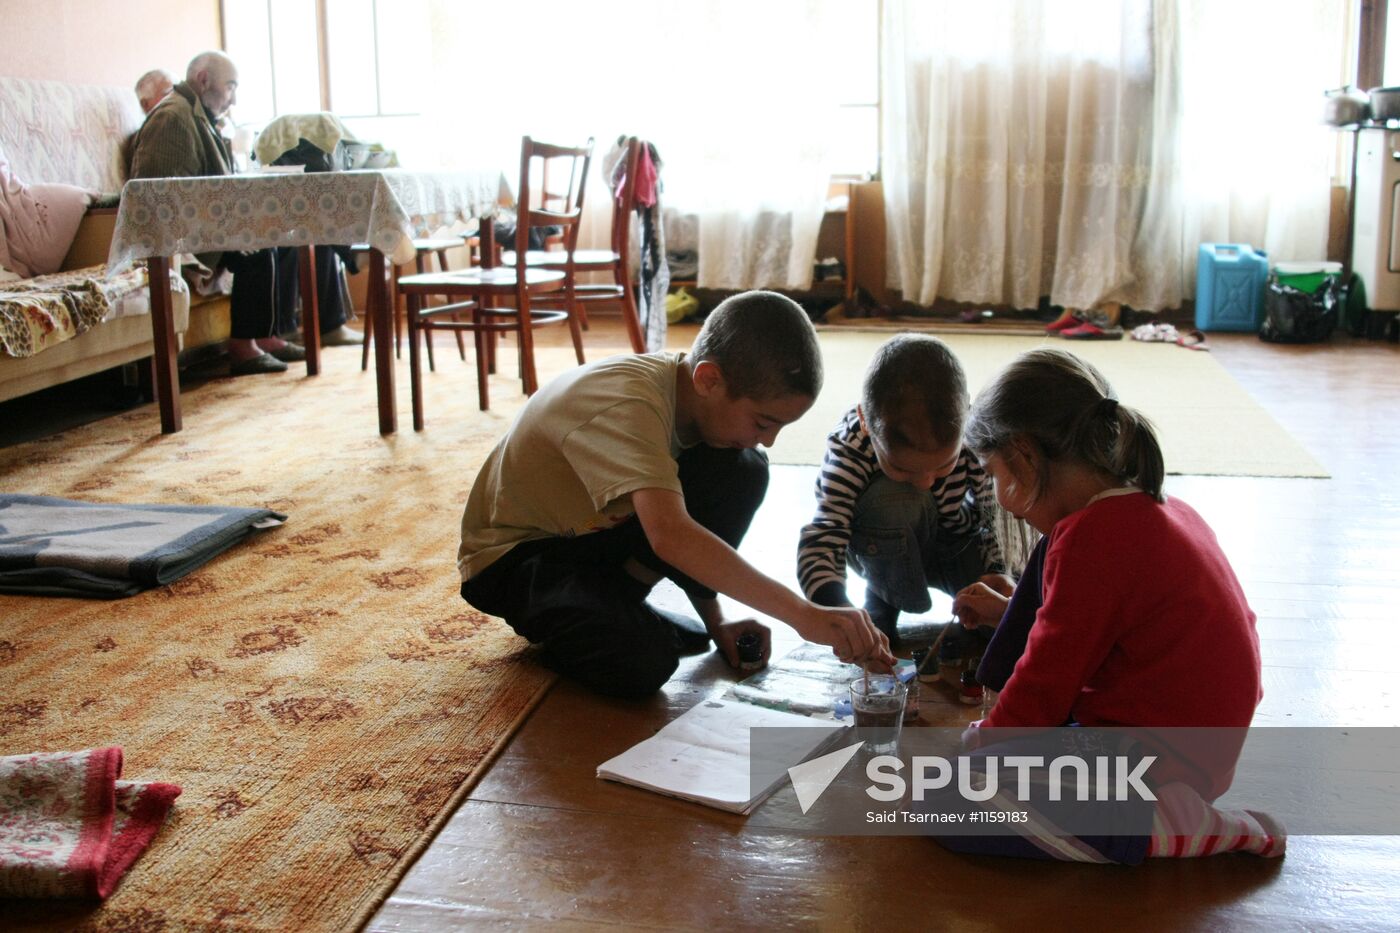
x=321, y=692
x=1207, y=422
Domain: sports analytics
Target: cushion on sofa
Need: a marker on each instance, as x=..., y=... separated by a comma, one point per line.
x=37, y=222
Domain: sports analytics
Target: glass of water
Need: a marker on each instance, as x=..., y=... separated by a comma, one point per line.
x=877, y=703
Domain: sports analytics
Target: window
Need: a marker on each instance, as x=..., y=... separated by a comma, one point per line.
x=279, y=50
x=854, y=54
x=385, y=64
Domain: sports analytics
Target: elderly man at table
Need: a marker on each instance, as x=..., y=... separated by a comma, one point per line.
x=179, y=139
x=152, y=87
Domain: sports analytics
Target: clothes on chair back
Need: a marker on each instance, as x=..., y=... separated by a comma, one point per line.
x=314, y=158
x=655, y=271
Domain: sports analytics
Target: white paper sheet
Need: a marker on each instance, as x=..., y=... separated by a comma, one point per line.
x=704, y=754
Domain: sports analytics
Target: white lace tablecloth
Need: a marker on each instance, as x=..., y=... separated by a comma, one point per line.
x=387, y=209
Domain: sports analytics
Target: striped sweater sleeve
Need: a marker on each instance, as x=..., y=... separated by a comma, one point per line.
x=966, y=502
x=847, y=469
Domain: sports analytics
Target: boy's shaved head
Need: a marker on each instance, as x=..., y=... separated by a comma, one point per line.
x=915, y=393
x=764, y=344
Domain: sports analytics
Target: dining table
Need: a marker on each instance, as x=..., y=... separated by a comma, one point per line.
x=162, y=219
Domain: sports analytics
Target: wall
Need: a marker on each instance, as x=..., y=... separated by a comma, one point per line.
x=109, y=42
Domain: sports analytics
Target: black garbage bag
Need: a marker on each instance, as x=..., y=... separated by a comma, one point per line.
x=1295, y=316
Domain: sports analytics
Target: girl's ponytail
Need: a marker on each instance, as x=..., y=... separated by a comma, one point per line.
x=1068, y=408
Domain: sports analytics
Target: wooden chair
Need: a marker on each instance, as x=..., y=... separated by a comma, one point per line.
x=572, y=261
x=480, y=292
x=423, y=248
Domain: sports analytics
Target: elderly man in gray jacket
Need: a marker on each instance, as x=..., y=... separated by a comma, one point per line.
x=180, y=139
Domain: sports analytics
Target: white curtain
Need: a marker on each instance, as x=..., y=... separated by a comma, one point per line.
x=1083, y=149
x=736, y=96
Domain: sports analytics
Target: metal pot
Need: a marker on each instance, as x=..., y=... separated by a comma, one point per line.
x=1385, y=104
x=1349, y=105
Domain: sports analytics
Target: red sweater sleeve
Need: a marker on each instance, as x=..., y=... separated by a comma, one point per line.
x=1074, y=630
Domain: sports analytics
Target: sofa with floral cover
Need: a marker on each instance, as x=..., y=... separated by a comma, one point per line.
x=61, y=316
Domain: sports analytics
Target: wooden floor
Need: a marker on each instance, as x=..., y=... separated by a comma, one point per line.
x=542, y=841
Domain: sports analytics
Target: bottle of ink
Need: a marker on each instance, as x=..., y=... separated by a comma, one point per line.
x=750, y=651
x=969, y=690
x=925, y=665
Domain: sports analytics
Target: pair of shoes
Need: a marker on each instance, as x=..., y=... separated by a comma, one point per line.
x=690, y=633
x=342, y=336
x=289, y=353
x=1087, y=331
x=1194, y=340
x=884, y=616
x=256, y=365
x=1155, y=333
x=1064, y=322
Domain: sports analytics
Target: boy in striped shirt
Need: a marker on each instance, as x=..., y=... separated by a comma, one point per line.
x=898, y=497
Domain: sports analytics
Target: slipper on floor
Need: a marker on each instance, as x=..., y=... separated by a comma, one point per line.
x=1193, y=340
x=1155, y=333
x=1088, y=331
x=1063, y=322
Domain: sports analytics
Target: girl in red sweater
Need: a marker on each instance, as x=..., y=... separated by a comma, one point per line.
x=1128, y=614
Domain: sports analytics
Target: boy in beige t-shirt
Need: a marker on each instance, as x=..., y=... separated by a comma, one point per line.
x=637, y=467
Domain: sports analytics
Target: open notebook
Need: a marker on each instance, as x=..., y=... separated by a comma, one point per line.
x=705, y=755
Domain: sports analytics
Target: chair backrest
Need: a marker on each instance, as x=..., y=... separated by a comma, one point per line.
x=562, y=208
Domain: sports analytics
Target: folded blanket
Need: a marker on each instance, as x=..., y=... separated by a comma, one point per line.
x=59, y=547
x=69, y=827
x=38, y=313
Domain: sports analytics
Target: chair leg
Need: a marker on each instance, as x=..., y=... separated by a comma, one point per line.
x=574, y=307
x=479, y=337
x=629, y=310
x=421, y=265
x=415, y=365
x=581, y=309
x=527, y=346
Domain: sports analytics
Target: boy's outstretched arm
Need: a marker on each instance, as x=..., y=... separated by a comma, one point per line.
x=692, y=549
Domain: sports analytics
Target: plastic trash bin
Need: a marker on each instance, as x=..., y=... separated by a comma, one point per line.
x=1306, y=276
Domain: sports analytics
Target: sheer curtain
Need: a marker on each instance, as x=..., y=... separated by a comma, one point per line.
x=736, y=97
x=1082, y=149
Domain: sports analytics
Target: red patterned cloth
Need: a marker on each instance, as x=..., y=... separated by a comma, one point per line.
x=69, y=827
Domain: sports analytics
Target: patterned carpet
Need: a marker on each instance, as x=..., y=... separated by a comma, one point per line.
x=321, y=692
